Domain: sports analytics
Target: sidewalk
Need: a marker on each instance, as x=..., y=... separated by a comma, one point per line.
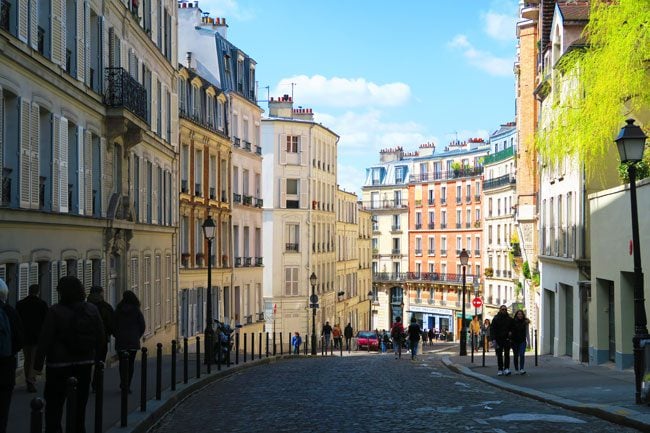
x=600, y=390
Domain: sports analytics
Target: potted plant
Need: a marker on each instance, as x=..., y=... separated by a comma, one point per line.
x=185, y=257
x=455, y=166
x=199, y=259
x=489, y=272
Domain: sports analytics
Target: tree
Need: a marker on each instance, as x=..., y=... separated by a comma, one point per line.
x=613, y=72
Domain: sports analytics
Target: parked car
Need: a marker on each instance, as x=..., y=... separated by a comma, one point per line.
x=365, y=338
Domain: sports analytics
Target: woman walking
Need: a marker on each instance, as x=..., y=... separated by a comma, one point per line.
x=129, y=328
x=519, y=332
x=485, y=334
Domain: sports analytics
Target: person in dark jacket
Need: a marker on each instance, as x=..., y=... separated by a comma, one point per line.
x=10, y=326
x=348, y=333
x=71, y=338
x=519, y=333
x=129, y=329
x=500, y=332
x=32, y=311
x=96, y=297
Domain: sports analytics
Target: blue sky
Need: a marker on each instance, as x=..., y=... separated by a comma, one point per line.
x=379, y=73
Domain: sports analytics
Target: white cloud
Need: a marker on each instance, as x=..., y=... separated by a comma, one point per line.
x=493, y=65
x=500, y=26
x=229, y=9
x=350, y=178
x=343, y=92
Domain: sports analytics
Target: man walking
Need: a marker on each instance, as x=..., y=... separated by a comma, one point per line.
x=327, y=333
x=500, y=331
x=414, y=332
x=32, y=311
x=11, y=341
x=96, y=297
x=475, y=331
x=347, y=332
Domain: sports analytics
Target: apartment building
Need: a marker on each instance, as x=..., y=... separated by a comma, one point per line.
x=204, y=45
x=299, y=215
x=205, y=164
x=502, y=255
x=364, y=307
x=88, y=143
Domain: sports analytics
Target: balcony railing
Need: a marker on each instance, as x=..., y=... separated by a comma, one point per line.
x=443, y=201
x=259, y=261
x=443, y=225
x=443, y=252
x=184, y=186
x=477, y=253
x=395, y=251
x=248, y=261
x=247, y=145
x=258, y=150
x=423, y=276
x=441, y=175
x=396, y=228
x=238, y=262
x=500, y=181
x=259, y=202
x=197, y=190
x=477, y=198
x=458, y=225
x=385, y=204
x=123, y=91
x=468, y=225
x=236, y=197
x=213, y=193
x=6, y=186
x=247, y=200
x=431, y=201
x=499, y=156
x=236, y=141
x=431, y=252
x=418, y=251
x=431, y=226
x=418, y=226
x=291, y=247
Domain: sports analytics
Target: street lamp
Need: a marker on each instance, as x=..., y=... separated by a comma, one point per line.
x=208, y=335
x=631, y=143
x=370, y=310
x=314, y=304
x=464, y=258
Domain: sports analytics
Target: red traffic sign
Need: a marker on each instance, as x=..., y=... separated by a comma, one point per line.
x=477, y=302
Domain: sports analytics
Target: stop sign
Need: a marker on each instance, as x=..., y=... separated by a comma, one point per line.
x=477, y=302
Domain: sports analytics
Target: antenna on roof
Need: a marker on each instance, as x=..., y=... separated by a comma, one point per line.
x=267, y=95
x=292, y=85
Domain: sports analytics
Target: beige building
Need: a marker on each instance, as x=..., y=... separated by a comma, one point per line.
x=88, y=144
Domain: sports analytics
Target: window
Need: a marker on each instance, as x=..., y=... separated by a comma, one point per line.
x=292, y=237
x=293, y=143
x=291, y=281
x=292, y=186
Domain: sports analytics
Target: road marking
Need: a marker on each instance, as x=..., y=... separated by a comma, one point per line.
x=538, y=417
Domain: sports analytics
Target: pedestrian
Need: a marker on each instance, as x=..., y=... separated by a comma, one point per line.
x=11, y=342
x=296, y=341
x=432, y=335
x=32, y=311
x=337, y=334
x=326, y=333
x=414, y=332
x=348, y=333
x=425, y=338
x=397, y=334
x=385, y=341
x=475, y=331
x=96, y=297
x=129, y=329
x=500, y=332
x=485, y=334
x=519, y=333
x=71, y=338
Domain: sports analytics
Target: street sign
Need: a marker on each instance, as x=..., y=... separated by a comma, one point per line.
x=313, y=305
x=313, y=299
x=477, y=302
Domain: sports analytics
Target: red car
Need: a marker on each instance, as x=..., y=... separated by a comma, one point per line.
x=365, y=338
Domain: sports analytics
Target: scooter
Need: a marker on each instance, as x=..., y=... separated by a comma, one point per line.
x=223, y=341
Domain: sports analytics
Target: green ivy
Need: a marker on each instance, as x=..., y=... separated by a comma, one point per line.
x=526, y=270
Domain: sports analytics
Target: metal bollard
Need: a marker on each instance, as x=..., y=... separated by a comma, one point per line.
x=237, y=348
x=274, y=343
x=245, y=347
x=228, y=351
x=252, y=346
x=281, y=348
x=185, y=361
x=259, y=344
x=219, y=351
x=198, y=357
x=99, y=396
x=71, y=406
x=174, y=365
x=341, y=347
x=485, y=342
x=124, y=395
x=322, y=346
x=143, y=380
x=535, y=331
x=267, y=344
x=159, y=371
x=472, y=357
x=208, y=352
x=36, y=416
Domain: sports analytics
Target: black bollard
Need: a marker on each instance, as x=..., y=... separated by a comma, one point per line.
x=252, y=346
x=228, y=346
x=244, y=347
x=322, y=346
x=535, y=347
x=472, y=357
x=341, y=347
x=267, y=344
x=36, y=416
x=208, y=352
x=185, y=361
x=484, y=344
x=159, y=371
x=281, y=348
x=274, y=343
x=198, y=357
x=173, y=365
x=259, y=347
x=237, y=348
x=143, y=380
x=124, y=395
x=219, y=352
x=71, y=406
x=99, y=396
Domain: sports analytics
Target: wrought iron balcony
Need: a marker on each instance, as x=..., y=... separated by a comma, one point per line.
x=123, y=91
x=259, y=261
x=6, y=186
x=395, y=228
x=248, y=200
x=213, y=193
x=418, y=251
x=238, y=262
x=259, y=202
x=236, y=197
x=443, y=252
x=500, y=181
x=291, y=247
x=418, y=226
x=258, y=150
x=477, y=253
x=247, y=145
x=395, y=251
x=184, y=186
x=431, y=252
x=248, y=261
x=443, y=225
x=431, y=201
x=431, y=226
x=236, y=142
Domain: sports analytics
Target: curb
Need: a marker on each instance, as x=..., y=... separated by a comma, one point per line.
x=615, y=414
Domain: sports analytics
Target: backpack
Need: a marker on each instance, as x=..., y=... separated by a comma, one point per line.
x=414, y=332
x=397, y=331
x=5, y=334
x=81, y=338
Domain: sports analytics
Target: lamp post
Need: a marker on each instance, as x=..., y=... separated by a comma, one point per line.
x=370, y=310
x=631, y=143
x=314, y=304
x=464, y=258
x=208, y=233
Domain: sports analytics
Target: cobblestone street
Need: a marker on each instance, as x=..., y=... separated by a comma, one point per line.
x=366, y=393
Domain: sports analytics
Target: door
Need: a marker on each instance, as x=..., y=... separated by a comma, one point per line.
x=568, y=311
x=551, y=316
x=585, y=290
x=612, y=323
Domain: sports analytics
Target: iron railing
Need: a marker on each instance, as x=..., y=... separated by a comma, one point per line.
x=123, y=91
x=423, y=276
x=451, y=174
x=499, y=181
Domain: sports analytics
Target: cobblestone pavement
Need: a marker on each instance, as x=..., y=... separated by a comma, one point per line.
x=370, y=393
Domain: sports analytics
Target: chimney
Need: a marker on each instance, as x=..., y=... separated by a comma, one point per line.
x=303, y=114
x=188, y=59
x=281, y=107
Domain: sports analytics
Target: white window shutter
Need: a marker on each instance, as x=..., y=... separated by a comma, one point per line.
x=163, y=111
x=110, y=45
x=143, y=190
x=63, y=269
x=104, y=49
x=88, y=275
x=174, y=125
x=304, y=194
x=154, y=194
x=87, y=34
x=282, y=148
x=154, y=103
x=33, y=23
x=63, y=170
x=2, y=132
x=34, y=127
x=88, y=172
x=155, y=28
x=304, y=151
x=54, y=281
x=283, y=193
x=33, y=273
x=106, y=164
x=102, y=273
x=23, y=280
x=25, y=155
x=56, y=163
x=80, y=42
x=57, y=43
x=81, y=171
x=124, y=54
x=23, y=20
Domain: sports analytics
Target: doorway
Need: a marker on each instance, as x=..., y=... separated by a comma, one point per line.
x=568, y=323
x=612, y=322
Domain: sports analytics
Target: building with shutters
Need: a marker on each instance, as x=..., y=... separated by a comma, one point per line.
x=88, y=136
x=203, y=44
x=299, y=216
